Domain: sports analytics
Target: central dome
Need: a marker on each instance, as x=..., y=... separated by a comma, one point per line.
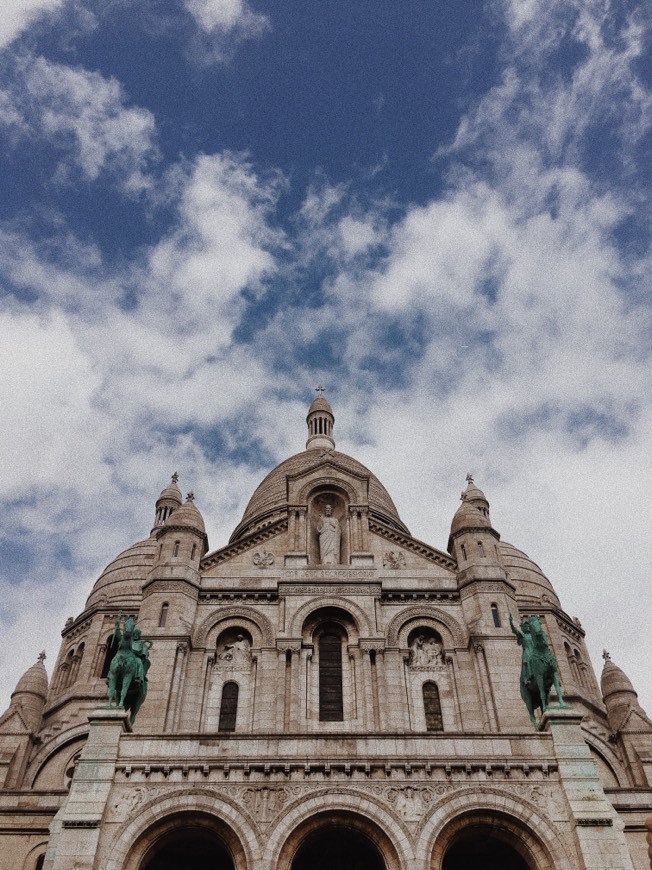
x=270, y=500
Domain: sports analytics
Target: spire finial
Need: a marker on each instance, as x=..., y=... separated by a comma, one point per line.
x=469, y=478
x=319, y=390
x=606, y=656
x=190, y=496
x=175, y=477
x=41, y=656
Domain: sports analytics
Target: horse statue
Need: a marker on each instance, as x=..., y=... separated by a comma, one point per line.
x=539, y=670
x=127, y=679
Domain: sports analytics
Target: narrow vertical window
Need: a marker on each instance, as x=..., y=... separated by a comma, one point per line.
x=481, y=549
x=193, y=551
x=229, y=707
x=495, y=615
x=432, y=707
x=163, y=616
x=175, y=551
x=463, y=549
x=331, y=705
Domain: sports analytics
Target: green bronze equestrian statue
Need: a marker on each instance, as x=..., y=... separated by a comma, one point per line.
x=127, y=679
x=539, y=670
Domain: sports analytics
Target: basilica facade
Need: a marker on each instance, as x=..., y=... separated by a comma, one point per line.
x=323, y=691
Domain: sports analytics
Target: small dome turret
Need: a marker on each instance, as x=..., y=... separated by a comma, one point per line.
x=167, y=502
x=184, y=524
x=188, y=516
x=473, y=513
x=618, y=694
x=31, y=692
x=320, y=422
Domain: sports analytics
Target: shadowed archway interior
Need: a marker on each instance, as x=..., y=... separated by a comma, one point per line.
x=338, y=847
x=189, y=847
x=479, y=847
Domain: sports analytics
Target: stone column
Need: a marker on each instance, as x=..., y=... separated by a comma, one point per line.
x=76, y=828
x=368, y=690
x=598, y=828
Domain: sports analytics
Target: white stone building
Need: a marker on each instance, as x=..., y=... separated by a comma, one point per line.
x=324, y=691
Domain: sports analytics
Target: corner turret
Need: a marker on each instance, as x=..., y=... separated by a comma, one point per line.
x=631, y=727
x=21, y=722
x=472, y=539
x=167, y=502
x=30, y=694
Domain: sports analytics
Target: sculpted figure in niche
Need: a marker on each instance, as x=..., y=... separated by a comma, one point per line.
x=425, y=652
x=238, y=653
x=328, y=529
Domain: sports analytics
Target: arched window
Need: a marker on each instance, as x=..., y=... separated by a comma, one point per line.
x=331, y=704
x=76, y=662
x=65, y=674
x=193, y=551
x=228, y=707
x=163, y=616
x=432, y=707
x=39, y=862
x=495, y=615
x=175, y=550
x=481, y=548
x=463, y=549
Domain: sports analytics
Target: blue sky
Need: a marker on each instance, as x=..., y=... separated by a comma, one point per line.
x=440, y=211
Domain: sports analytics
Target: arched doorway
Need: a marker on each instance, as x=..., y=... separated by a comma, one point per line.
x=483, y=846
x=189, y=846
x=336, y=846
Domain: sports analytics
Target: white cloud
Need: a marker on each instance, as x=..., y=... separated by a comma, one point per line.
x=226, y=16
x=222, y=24
x=221, y=245
x=83, y=114
x=17, y=15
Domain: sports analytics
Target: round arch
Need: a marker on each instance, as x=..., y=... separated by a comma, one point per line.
x=605, y=755
x=344, y=809
x=192, y=809
x=515, y=819
x=305, y=493
x=33, y=855
x=260, y=627
x=357, y=614
x=57, y=752
x=452, y=632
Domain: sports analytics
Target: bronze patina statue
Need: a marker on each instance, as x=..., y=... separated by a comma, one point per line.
x=539, y=670
x=127, y=679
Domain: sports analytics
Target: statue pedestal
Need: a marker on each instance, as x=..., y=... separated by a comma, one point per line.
x=598, y=829
x=75, y=830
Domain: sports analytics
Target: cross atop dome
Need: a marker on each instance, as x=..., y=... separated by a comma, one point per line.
x=320, y=391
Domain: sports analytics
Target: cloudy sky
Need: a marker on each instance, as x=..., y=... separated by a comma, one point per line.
x=439, y=210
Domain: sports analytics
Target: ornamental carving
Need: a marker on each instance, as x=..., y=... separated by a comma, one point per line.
x=263, y=559
x=394, y=559
x=410, y=803
x=264, y=803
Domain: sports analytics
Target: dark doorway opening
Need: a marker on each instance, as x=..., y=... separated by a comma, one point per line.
x=196, y=849
x=482, y=848
x=336, y=847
